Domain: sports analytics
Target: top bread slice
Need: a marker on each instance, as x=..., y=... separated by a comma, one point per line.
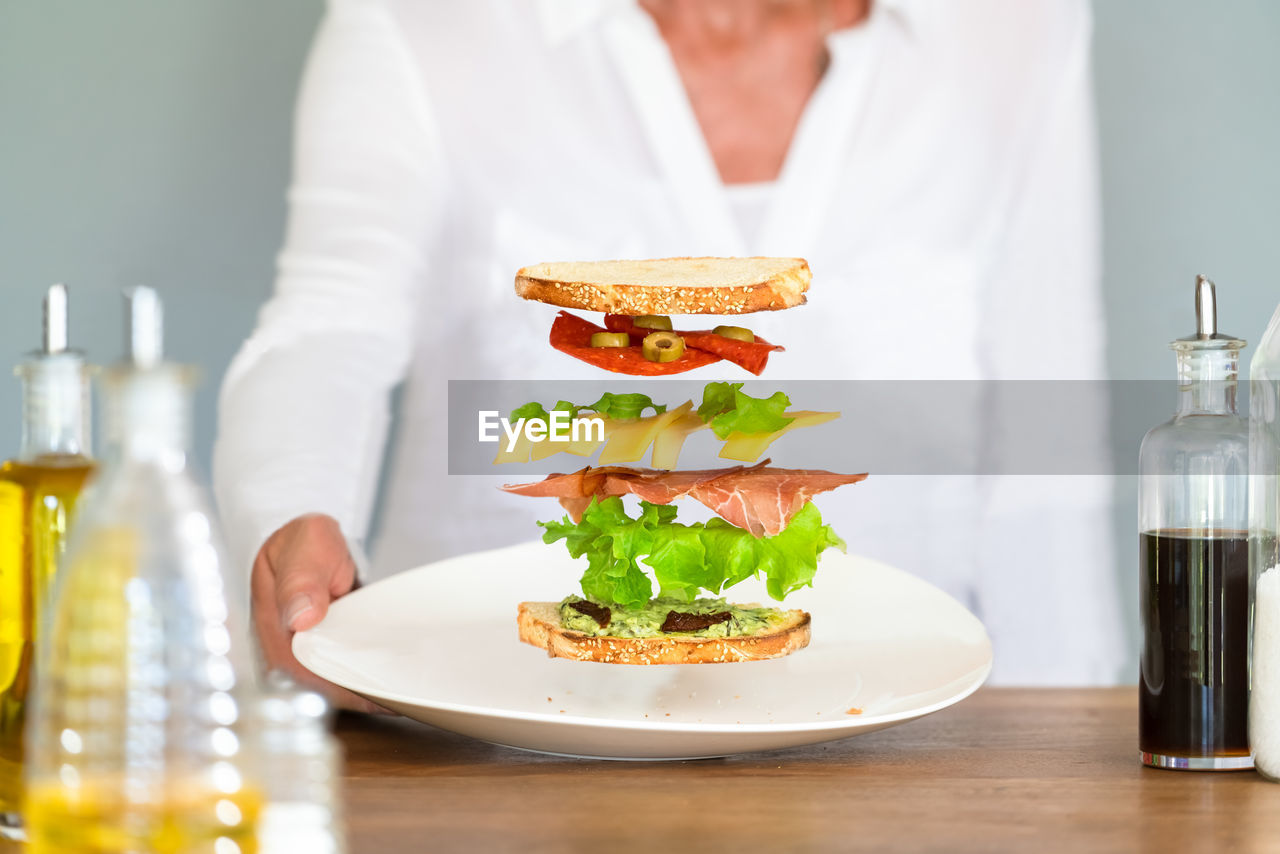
x=540, y=626
x=669, y=285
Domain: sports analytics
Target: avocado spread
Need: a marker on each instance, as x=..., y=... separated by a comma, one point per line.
x=645, y=622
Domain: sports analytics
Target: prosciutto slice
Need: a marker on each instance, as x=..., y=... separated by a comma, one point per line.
x=756, y=498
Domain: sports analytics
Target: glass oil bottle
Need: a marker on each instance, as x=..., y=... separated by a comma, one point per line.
x=1194, y=568
x=303, y=787
x=38, y=492
x=136, y=733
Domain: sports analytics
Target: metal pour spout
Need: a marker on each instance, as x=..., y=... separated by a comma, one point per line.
x=1206, y=308
x=1207, y=336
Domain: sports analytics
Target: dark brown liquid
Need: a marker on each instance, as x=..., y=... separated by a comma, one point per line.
x=1194, y=685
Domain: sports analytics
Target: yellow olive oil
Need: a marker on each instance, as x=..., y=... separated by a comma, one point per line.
x=37, y=501
x=38, y=493
x=99, y=818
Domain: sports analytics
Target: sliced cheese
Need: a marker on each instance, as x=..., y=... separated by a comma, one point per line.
x=629, y=441
x=749, y=447
x=519, y=452
x=668, y=444
x=589, y=440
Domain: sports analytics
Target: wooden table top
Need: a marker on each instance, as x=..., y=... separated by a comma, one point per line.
x=1039, y=770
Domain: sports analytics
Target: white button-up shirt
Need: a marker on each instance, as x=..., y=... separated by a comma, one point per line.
x=941, y=183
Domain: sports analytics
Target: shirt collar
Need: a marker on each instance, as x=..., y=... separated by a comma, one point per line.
x=561, y=20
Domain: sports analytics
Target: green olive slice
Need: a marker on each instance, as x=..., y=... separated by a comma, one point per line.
x=662, y=347
x=737, y=333
x=652, y=321
x=610, y=339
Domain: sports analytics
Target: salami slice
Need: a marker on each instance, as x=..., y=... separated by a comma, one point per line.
x=749, y=355
x=625, y=323
x=571, y=335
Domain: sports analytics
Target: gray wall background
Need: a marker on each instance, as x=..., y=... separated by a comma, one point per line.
x=148, y=142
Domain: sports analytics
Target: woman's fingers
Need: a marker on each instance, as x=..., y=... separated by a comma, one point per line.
x=311, y=566
x=299, y=570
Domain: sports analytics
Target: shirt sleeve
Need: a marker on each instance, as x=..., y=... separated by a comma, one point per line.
x=304, y=408
x=1047, y=586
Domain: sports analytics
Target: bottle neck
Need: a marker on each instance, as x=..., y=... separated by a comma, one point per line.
x=1207, y=381
x=55, y=406
x=147, y=415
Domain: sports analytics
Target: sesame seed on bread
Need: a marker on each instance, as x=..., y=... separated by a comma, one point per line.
x=669, y=285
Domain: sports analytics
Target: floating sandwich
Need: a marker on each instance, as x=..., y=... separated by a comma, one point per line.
x=637, y=296
x=765, y=525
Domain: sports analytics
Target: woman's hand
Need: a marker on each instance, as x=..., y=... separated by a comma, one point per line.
x=301, y=569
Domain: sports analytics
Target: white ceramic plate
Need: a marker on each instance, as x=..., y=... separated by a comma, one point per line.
x=439, y=644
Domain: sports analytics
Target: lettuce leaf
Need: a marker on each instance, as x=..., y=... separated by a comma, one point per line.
x=529, y=410
x=789, y=559
x=730, y=410
x=625, y=407
x=717, y=398
x=610, y=540
x=686, y=559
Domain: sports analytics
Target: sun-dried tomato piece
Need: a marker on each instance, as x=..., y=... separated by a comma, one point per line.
x=678, y=621
x=599, y=613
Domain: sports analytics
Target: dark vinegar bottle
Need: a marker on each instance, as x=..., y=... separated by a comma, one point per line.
x=1194, y=563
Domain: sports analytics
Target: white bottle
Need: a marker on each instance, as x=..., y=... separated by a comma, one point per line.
x=1264, y=561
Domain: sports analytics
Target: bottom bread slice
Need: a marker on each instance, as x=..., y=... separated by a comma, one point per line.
x=540, y=626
